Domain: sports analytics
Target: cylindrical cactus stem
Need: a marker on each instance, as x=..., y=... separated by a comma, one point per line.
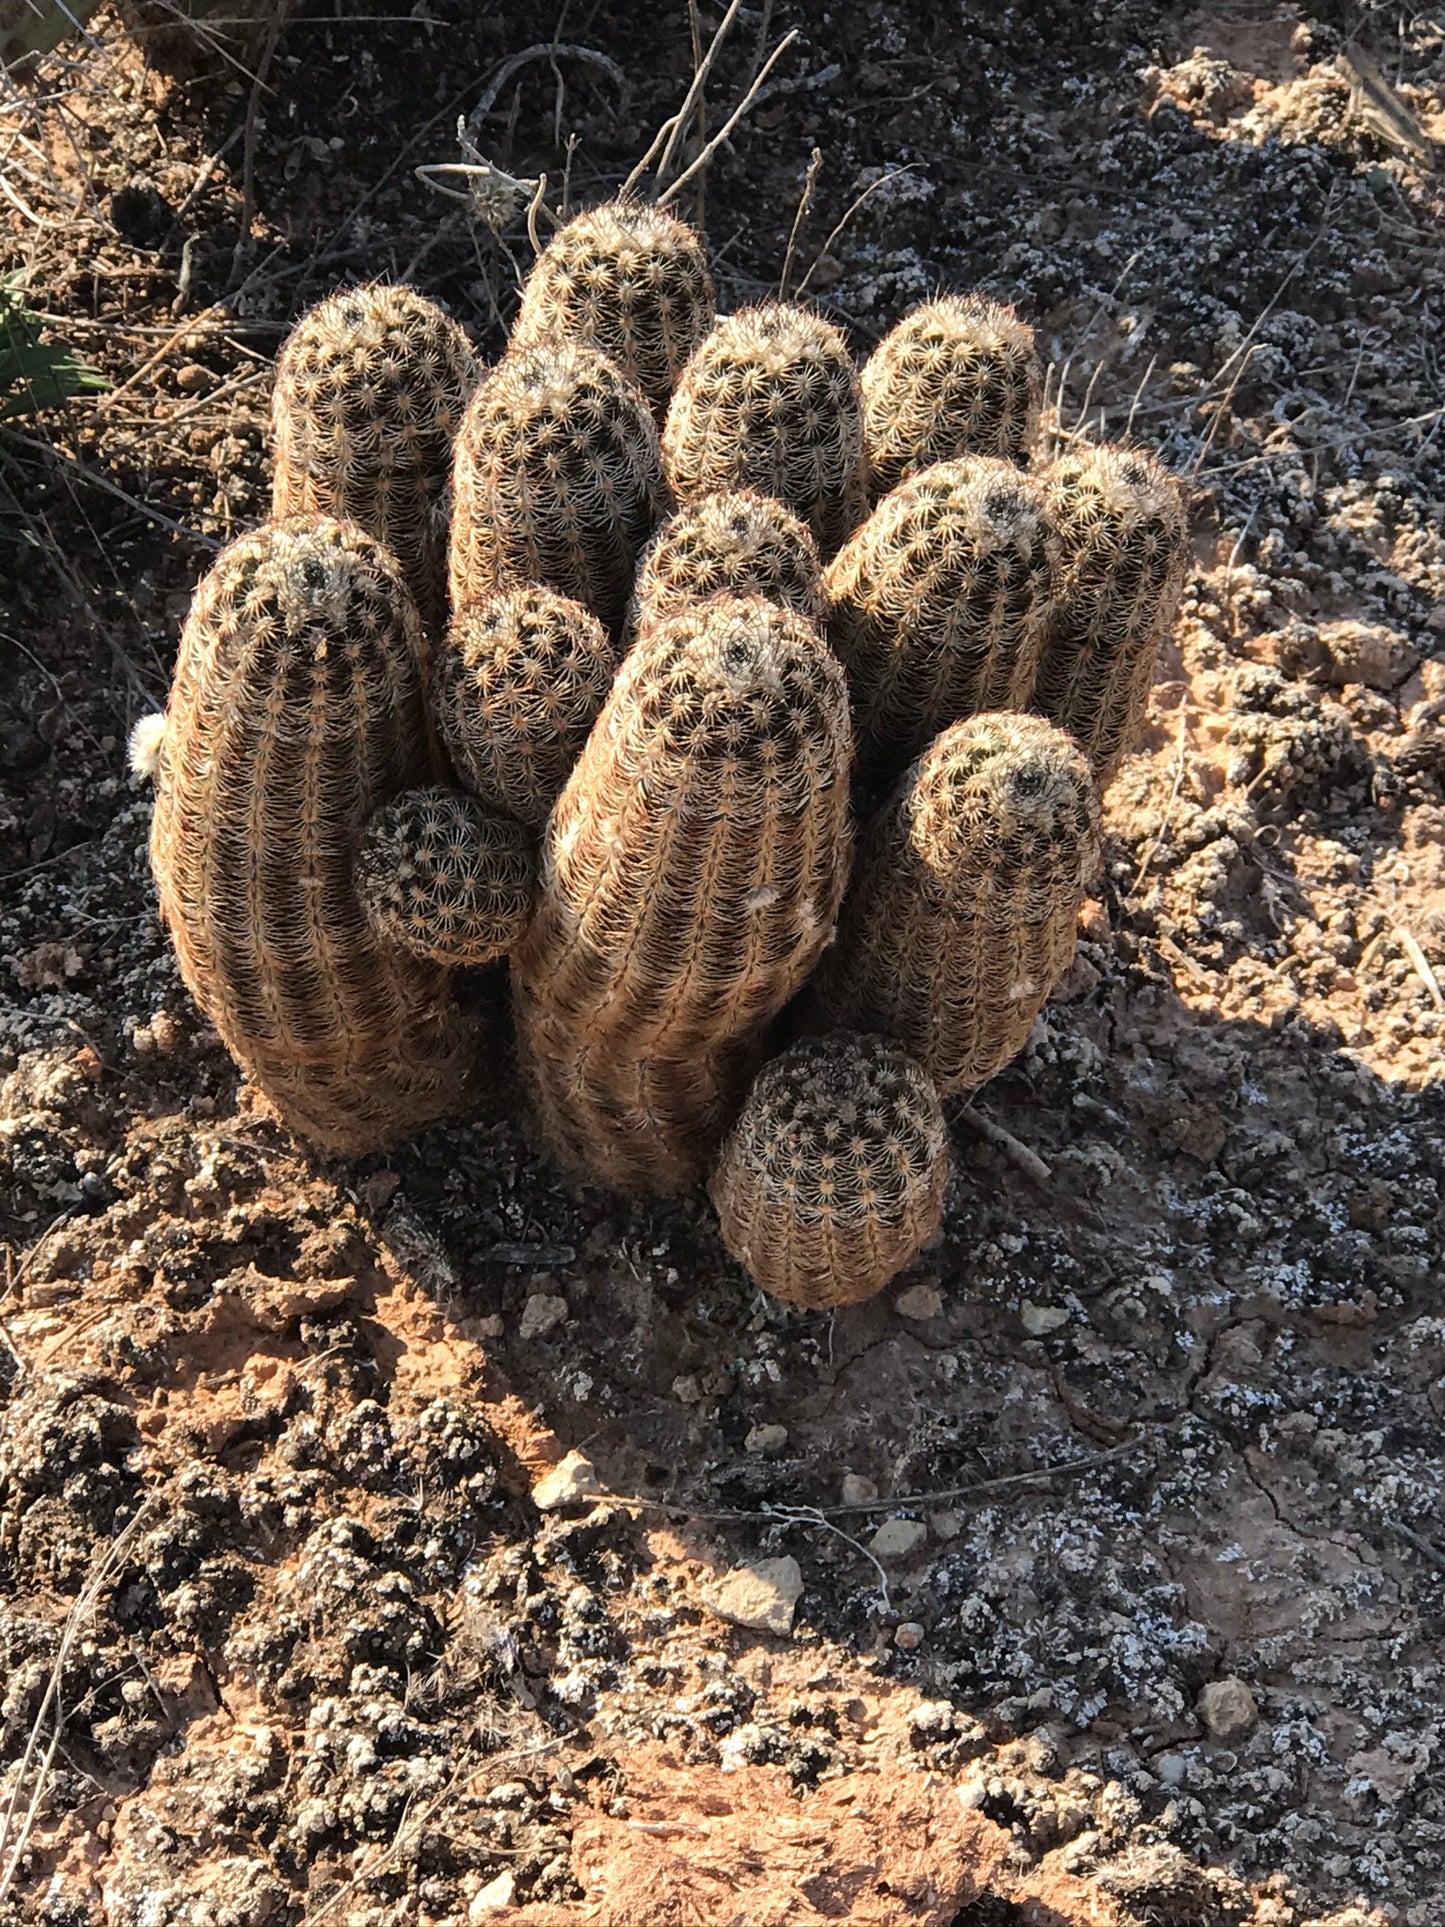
x=522, y=678
x=940, y=605
x=962, y=914
x=833, y=1177
x=1123, y=534
x=370, y=391
x=445, y=879
x=736, y=543
x=771, y=402
x=296, y=709
x=627, y=279
x=557, y=481
x=957, y=376
x=691, y=875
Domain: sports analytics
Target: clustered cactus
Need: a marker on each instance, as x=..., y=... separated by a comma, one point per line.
x=716, y=609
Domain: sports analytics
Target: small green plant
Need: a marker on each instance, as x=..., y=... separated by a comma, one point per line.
x=35, y=373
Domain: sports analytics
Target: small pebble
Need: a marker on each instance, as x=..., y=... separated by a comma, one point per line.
x=898, y=1538
x=857, y=1490
x=766, y=1440
x=1039, y=1320
x=919, y=1302
x=541, y=1314
x=687, y=1390
x=573, y=1479
x=763, y=1597
x=909, y=1636
x=500, y=1892
x=1228, y=1709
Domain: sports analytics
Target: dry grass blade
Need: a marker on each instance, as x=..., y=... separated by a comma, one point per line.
x=13, y=1840
x=853, y=207
x=805, y=201
x=723, y=134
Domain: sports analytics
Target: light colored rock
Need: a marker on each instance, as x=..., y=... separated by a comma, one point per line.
x=492, y=1326
x=1227, y=1708
x=947, y=1525
x=918, y=1302
x=766, y=1440
x=898, y=1539
x=763, y=1597
x=497, y=1893
x=1039, y=1320
x=687, y=1390
x=909, y=1636
x=541, y=1314
x=1368, y=652
x=857, y=1490
x=575, y=1478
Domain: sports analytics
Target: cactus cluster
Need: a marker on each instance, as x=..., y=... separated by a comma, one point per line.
x=716, y=608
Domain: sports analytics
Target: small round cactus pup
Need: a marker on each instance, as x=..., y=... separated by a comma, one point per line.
x=1123, y=536
x=833, y=1178
x=296, y=710
x=520, y=681
x=736, y=543
x=963, y=912
x=557, y=480
x=770, y=401
x=940, y=605
x=445, y=879
x=371, y=387
x=691, y=875
x=627, y=279
x=957, y=376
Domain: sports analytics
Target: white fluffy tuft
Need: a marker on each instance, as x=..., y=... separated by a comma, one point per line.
x=145, y=745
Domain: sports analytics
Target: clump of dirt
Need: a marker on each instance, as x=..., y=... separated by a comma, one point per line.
x=1160, y=1411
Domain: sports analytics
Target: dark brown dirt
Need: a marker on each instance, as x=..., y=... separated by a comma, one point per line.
x=272, y=1424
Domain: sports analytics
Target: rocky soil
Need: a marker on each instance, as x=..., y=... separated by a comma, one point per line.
x=1117, y=1527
